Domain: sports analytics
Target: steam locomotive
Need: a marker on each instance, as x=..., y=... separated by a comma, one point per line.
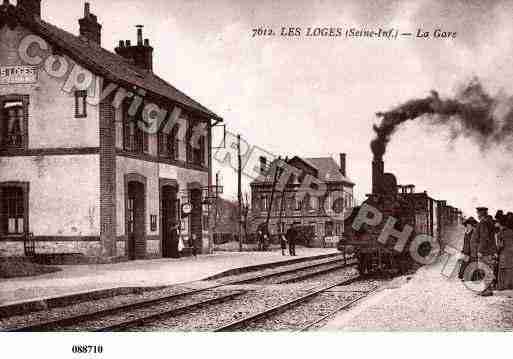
x=423, y=214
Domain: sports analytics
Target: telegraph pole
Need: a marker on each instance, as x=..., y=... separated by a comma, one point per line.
x=217, y=200
x=246, y=213
x=239, y=191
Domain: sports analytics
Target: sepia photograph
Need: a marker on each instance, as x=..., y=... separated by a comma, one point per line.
x=311, y=170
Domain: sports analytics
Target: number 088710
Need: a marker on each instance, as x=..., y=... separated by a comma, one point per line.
x=87, y=349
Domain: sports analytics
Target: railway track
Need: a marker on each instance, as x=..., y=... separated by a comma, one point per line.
x=138, y=313
x=330, y=314
x=254, y=322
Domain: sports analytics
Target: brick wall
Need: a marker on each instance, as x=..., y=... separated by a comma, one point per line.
x=108, y=178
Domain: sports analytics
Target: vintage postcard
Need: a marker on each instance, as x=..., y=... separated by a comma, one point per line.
x=283, y=167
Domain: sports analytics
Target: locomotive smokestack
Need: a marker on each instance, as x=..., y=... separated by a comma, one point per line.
x=378, y=170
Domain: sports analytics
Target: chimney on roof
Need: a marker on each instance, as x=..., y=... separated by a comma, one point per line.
x=343, y=158
x=30, y=7
x=141, y=54
x=89, y=26
x=139, y=35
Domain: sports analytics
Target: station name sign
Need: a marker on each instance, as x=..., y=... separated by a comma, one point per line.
x=10, y=75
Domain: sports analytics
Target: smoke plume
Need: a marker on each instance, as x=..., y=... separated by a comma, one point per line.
x=473, y=113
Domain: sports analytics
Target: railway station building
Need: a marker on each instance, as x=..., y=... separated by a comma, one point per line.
x=78, y=173
x=285, y=207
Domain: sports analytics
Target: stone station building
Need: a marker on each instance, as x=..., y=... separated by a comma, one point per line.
x=78, y=173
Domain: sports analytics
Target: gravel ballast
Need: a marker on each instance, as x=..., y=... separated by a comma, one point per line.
x=428, y=301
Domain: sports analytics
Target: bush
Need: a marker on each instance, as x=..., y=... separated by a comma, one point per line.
x=23, y=267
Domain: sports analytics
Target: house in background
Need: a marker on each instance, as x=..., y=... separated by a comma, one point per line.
x=288, y=208
x=84, y=178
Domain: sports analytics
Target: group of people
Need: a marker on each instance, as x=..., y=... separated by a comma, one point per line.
x=488, y=242
x=287, y=240
x=179, y=243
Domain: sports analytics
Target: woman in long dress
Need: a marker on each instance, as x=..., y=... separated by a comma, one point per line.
x=505, y=242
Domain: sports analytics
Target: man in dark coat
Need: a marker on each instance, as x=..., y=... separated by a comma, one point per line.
x=470, y=225
x=260, y=240
x=483, y=245
x=261, y=233
x=291, y=238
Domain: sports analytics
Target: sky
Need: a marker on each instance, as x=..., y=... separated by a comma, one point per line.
x=317, y=97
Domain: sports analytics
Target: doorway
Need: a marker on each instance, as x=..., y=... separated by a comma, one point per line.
x=135, y=214
x=170, y=220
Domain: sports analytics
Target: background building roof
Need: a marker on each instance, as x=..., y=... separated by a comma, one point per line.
x=328, y=170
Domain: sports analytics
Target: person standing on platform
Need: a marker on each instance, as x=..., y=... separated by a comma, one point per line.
x=291, y=239
x=505, y=244
x=470, y=225
x=175, y=235
x=283, y=242
x=266, y=241
x=192, y=244
x=483, y=243
x=259, y=240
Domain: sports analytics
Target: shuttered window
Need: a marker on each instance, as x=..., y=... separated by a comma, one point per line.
x=135, y=139
x=13, y=211
x=169, y=144
x=13, y=122
x=328, y=229
x=80, y=104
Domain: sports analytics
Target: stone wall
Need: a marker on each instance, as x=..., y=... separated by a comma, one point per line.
x=63, y=192
x=87, y=248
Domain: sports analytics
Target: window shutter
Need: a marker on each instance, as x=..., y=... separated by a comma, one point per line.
x=161, y=144
x=24, y=123
x=174, y=144
x=80, y=104
x=126, y=133
x=202, y=150
x=188, y=139
x=3, y=127
x=146, y=146
x=3, y=215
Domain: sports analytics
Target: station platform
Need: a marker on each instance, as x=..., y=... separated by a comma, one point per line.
x=429, y=300
x=141, y=273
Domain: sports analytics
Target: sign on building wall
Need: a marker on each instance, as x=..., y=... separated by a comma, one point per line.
x=10, y=75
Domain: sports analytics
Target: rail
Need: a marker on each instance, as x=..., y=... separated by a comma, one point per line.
x=240, y=323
